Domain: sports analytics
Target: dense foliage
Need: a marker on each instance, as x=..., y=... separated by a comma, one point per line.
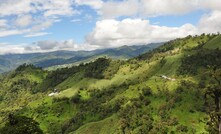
x=20, y=125
x=203, y=58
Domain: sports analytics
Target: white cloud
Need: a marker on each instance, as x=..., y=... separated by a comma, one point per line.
x=48, y=7
x=96, y=4
x=12, y=7
x=36, y=34
x=41, y=25
x=210, y=4
x=114, y=9
x=3, y=24
x=32, y=15
x=8, y=49
x=113, y=33
x=4, y=33
x=151, y=8
x=23, y=21
x=147, y=8
x=167, y=7
x=210, y=23
x=57, y=7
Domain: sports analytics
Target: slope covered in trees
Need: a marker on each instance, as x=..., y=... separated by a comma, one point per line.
x=126, y=97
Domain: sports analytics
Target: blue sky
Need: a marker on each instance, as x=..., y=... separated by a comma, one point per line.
x=33, y=25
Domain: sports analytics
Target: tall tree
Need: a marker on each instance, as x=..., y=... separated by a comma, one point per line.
x=213, y=91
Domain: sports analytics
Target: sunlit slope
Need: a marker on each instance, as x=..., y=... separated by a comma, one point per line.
x=214, y=43
x=161, y=91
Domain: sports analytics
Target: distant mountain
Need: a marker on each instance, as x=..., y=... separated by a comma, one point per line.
x=49, y=59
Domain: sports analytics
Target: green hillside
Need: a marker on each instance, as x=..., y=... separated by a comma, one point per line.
x=174, y=88
x=214, y=43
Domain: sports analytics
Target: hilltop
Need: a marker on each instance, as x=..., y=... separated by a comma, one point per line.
x=170, y=89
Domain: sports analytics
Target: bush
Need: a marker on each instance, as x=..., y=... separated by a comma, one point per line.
x=76, y=98
x=21, y=125
x=182, y=128
x=147, y=91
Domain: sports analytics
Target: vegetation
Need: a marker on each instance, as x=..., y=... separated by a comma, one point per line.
x=58, y=59
x=20, y=125
x=174, y=88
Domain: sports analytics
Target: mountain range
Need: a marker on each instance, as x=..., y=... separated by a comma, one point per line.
x=11, y=61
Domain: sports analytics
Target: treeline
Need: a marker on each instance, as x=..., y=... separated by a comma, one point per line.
x=203, y=58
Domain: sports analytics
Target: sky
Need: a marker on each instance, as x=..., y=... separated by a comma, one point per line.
x=29, y=26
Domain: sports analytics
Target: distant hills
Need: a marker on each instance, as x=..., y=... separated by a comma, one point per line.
x=11, y=61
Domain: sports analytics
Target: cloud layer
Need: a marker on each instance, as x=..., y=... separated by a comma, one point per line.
x=31, y=16
x=125, y=22
x=151, y=8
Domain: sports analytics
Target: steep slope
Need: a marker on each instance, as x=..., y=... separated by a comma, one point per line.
x=214, y=43
x=167, y=90
x=17, y=87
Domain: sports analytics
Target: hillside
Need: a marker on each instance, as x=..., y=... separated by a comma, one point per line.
x=66, y=58
x=174, y=88
x=214, y=43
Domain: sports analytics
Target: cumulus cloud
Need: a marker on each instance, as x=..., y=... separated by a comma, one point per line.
x=210, y=23
x=113, y=33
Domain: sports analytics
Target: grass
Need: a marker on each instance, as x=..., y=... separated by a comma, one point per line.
x=106, y=126
x=214, y=43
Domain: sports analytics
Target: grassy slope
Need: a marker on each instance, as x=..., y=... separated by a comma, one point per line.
x=154, y=70
x=148, y=73
x=214, y=43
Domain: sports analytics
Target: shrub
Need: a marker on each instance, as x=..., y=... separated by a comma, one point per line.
x=21, y=125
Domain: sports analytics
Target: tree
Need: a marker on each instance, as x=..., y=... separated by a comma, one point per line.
x=213, y=90
x=20, y=125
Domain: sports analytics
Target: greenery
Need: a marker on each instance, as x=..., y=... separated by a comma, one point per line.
x=20, y=125
x=174, y=88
